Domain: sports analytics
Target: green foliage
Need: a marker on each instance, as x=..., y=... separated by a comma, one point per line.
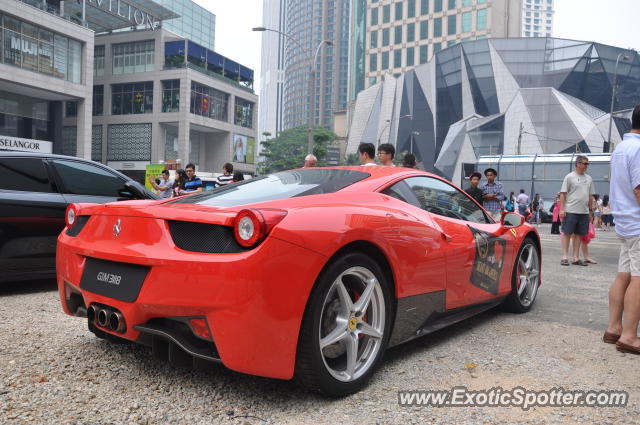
x=287, y=151
x=352, y=159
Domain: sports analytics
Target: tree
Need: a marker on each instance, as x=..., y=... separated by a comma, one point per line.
x=288, y=149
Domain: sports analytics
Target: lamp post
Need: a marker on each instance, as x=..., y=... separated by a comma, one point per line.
x=613, y=95
x=388, y=124
x=312, y=72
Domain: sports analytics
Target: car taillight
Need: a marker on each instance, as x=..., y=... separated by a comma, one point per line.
x=251, y=226
x=70, y=216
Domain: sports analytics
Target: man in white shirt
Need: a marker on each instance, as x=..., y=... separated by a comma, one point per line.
x=164, y=187
x=367, y=152
x=624, y=295
x=576, y=209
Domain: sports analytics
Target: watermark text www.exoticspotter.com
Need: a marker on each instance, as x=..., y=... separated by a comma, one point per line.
x=515, y=397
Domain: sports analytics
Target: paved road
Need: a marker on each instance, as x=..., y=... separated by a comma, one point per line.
x=52, y=370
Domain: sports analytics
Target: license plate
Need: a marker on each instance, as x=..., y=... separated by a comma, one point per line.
x=121, y=281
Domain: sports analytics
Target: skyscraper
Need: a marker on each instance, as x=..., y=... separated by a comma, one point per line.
x=306, y=23
x=398, y=35
x=537, y=18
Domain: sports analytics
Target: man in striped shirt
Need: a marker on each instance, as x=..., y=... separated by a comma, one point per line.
x=492, y=194
x=227, y=175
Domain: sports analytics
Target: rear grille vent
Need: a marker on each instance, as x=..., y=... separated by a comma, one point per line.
x=78, y=225
x=203, y=237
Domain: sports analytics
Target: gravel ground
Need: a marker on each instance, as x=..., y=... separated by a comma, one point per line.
x=53, y=371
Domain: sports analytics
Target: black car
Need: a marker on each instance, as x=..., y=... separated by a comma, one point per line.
x=35, y=190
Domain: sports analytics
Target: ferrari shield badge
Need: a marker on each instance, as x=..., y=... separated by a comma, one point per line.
x=487, y=266
x=514, y=233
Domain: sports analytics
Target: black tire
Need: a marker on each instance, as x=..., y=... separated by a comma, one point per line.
x=522, y=303
x=313, y=370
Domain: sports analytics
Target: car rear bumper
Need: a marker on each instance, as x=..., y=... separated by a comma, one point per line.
x=253, y=301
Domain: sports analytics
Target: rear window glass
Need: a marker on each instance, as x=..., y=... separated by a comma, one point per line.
x=282, y=185
x=24, y=174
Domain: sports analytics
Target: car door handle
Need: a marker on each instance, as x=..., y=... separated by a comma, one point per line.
x=446, y=237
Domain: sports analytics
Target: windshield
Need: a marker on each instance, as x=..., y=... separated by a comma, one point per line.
x=282, y=185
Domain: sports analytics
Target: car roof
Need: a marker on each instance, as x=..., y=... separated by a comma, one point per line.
x=41, y=155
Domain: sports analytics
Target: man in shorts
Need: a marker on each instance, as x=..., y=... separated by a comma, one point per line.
x=576, y=209
x=624, y=294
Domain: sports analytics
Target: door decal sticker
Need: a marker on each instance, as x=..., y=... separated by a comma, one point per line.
x=487, y=265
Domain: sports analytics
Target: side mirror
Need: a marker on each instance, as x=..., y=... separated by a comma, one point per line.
x=511, y=219
x=138, y=191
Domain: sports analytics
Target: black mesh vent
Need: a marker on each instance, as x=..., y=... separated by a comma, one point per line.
x=203, y=237
x=78, y=225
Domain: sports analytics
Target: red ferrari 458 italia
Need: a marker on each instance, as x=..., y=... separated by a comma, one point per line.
x=308, y=274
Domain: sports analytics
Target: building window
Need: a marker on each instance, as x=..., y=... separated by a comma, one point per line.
x=98, y=61
x=437, y=6
x=397, y=58
x=98, y=100
x=451, y=43
x=424, y=30
x=170, y=95
x=386, y=13
x=466, y=3
x=437, y=47
x=411, y=8
x=244, y=113
x=373, y=62
x=424, y=7
x=385, y=37
x=451, y=24
x=437, y=27
x=373, y=40
x=452, y=4
x=424, y=54
x=372, y=81
x=132, y=98
x=209, y=102
x=133, y=57
x=71, y=108
x=481, y=22
x=482, y=1
x=374, y=16
x=411, y=32
x=398, y=34
x=385, y=61
x=410, y=56
x=45, y=52
x=466, y=22
x=399, y=11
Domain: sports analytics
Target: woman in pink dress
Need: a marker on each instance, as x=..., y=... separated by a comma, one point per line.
x=555, y=225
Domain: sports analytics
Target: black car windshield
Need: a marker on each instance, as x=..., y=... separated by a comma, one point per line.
x=282, y=185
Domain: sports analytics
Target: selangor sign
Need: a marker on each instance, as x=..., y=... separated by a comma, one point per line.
x=8, y=143
x=126, y=11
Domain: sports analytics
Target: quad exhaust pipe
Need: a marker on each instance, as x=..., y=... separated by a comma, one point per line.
x=106, y=317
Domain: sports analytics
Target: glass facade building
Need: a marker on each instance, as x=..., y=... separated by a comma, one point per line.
x=501, y=97
x=195, y=22
x=308, y=22
x=394, y=37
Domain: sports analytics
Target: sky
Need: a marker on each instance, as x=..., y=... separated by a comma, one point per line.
x=614, y=22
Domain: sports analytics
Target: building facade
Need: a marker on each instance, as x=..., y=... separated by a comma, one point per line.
x=306, y=24
x=195, y=22
x=537, y=18
x=158, y=97
x=125, y=98
x=395, y=36
x=43, y=64
x=502, y=97
x=272, y=69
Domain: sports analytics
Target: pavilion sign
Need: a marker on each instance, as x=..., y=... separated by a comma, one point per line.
x=126, y=11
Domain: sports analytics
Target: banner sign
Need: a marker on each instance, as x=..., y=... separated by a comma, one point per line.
x=8, y=143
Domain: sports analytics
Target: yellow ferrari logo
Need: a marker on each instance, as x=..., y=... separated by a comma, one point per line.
x=352, y=323
x=514, y=233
